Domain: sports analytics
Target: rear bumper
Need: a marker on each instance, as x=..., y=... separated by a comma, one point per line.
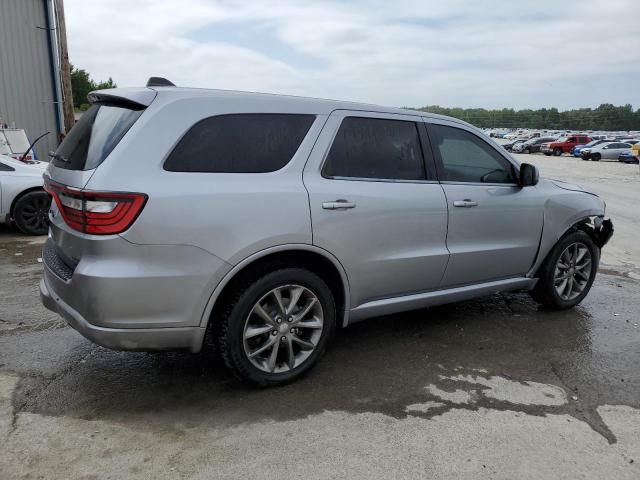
x=141, y=339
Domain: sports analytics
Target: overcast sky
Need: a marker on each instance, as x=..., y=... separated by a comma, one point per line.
x=520, y=54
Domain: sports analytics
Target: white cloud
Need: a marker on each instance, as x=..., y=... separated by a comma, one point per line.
x=454, y=53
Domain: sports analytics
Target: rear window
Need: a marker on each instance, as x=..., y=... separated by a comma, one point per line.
x=95, y=135
x=240, y=143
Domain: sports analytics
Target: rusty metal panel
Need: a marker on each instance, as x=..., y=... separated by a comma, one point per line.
x=27, y=89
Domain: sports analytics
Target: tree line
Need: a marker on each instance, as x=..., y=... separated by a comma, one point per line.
x=606, y=117
x=82, y=84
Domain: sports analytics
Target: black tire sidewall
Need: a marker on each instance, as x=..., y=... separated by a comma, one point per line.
x=18, y=212
x=547, y=277
x=232, y=340
x=557, y=152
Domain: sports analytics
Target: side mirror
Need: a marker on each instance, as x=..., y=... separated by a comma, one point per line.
x=529, y=175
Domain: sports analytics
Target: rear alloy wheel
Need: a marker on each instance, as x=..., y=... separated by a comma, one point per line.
x=277, y=327
x=568, y=273
x=557, y=152
x=31, y=213
x=283, y=329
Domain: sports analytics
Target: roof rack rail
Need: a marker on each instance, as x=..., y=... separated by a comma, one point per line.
x=159, y=82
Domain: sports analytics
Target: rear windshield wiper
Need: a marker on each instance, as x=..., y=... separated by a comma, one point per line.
x=57, y=156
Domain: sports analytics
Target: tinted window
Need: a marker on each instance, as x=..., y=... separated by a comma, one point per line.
x=464, y=157
x=376, y=148
x=240, y=143
x=94, y=136
x=6, y=168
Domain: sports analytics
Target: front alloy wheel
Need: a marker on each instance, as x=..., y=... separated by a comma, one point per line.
x=573, y=270
x=568, y=272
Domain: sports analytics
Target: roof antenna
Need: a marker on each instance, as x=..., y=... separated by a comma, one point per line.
x=159, y=82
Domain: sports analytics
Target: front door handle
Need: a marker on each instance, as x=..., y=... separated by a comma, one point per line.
x=338, y=205
x=466, y=203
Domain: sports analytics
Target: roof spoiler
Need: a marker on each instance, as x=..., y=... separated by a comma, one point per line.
x=159, y=82
x=135, y=98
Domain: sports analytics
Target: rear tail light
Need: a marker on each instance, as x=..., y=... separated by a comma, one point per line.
x=98, y=213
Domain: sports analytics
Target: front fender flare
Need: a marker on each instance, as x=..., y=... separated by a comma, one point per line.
x=561, y=213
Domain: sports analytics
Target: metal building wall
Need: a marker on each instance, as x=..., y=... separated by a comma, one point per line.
x=27, y=91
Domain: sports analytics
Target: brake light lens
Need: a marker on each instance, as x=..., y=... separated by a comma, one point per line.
x=97, y=213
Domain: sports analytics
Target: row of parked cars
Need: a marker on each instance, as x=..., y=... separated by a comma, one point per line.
x=623, y=148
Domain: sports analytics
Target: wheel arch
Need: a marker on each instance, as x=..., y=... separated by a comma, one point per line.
x=585, y=224
x=563, y=213
x=311, y=257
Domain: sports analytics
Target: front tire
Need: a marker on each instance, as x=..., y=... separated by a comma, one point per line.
x=568, y=272
x=276, y=328
x=596, y=157
x=31, y=213
x=557, y=152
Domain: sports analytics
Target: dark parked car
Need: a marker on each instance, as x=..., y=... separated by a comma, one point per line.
x=509, y=146
x=531, y=146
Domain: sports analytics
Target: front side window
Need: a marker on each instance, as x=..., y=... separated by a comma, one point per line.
x=240, y=143
x=464, y=157
x=376, y=148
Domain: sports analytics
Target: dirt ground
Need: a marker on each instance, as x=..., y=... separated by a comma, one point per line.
x=490, y=388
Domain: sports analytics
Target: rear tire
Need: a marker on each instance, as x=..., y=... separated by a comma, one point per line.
x=31, y=213
x=568, y=272
x=557, y=152
x=266, y=340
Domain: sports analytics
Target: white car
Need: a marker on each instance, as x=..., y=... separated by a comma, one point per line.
x=22, y=196
x=607, y=151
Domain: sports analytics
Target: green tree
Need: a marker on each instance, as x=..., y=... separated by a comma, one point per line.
x=605, y=117
x=82, y=84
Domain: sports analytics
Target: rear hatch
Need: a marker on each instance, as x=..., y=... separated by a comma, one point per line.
x=78, y=215
x=96, y=134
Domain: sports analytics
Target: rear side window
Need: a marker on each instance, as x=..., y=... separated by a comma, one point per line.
x=94, y=136
x=376, y=148
x=240, y=143
x=464, y=157
x=6, y=168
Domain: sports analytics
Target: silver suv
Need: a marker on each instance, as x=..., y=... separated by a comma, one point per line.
x=264, y=222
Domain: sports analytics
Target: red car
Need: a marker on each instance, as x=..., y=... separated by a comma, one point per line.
x=564, y=144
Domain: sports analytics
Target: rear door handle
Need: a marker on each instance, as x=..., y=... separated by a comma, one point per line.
x=338, y=205
x=466, y=203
